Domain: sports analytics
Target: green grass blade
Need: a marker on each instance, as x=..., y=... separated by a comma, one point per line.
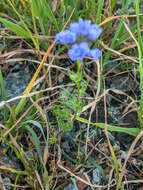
x=113, y=3
x=15, y=28
x=51, y=16
x=119, y=31
x=140, y=49
x=125, y=36
x=114, y=40
x=24, y=24
x=91, y=160
x=140, y=40
x=3, y=95
x=131, y=131
x=36, y=142
x=99, y=11
x=36, y=124
x=38, y=11
x=46, y=179
x=140, y=112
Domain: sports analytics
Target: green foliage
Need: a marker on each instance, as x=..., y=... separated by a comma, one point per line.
x=36, y=141
x=119, y=31
x=3, y=95
x=63, y=116
x=15, y=28
x=42, y=11
x=69, y=105
x=140, y=51
x=131, y=131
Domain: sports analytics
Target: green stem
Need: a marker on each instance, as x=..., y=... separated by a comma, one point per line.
x=78, y=85
x=78, y=97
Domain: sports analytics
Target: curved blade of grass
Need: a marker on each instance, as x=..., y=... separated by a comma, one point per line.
x=15, y=28
x=24, y=24
x=16, y=182
x=125, y=36
x=36, y=124
x=131, y=131
x=38, y=11
x=51, y=15
x=36, y=142
x=91, y=160
x=37, y=7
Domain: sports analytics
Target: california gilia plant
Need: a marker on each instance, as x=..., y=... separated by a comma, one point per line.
x=77, y=38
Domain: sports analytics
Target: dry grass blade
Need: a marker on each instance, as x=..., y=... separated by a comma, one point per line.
x=93, y=102
x=9, y=169
x=134, y=59
x=128, y=155
x=39, y=180
x=32, y=94
x=134, y=181
x=116, y=17
x=128, y=47
x=28, y=51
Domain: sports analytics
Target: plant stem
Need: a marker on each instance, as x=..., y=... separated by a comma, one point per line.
x=78, y=73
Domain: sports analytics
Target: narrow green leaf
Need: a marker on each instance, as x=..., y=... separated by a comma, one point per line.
x=36, y=141
x=51, y=15
x=99, y=11
x=113, y=3
x=15, y=28
x=140, y=51
x=131, y=131
x=36, y=124
x=3, y=95
x=25, y=25
x=37, y=8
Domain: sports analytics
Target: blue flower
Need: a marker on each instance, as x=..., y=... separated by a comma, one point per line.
x=94, y=32
x=74, y=27
x=95, y=54
x=4, y=145
x=85, y=29
x=79, y=51
x=81, y=27
x=66, y=37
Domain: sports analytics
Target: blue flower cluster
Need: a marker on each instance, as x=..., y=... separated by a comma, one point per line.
x=84, y=29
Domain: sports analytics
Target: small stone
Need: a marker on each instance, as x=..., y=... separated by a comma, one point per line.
x=7, y=180
x=65, y=145
x=123, y=155
x=97, y=177
x=70, y=187
x=60, y=79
